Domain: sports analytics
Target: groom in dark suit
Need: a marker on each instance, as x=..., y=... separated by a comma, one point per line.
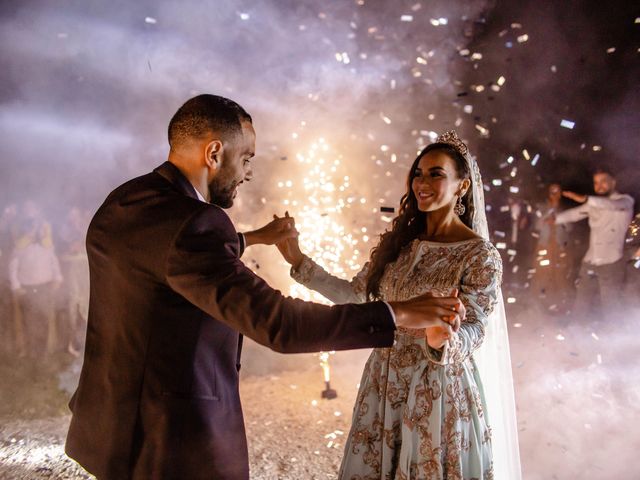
x=158, y=394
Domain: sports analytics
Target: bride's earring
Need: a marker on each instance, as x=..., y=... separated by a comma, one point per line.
x=459, y=208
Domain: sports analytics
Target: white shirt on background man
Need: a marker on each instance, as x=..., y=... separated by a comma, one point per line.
x=33, y=265
x=609, y=217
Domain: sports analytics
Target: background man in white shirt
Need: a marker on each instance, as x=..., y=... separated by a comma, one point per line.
x=602, y=272
x=34, y=274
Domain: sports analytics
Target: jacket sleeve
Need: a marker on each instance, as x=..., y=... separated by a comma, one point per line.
x=338, y=290
x=203, y=266
x=479, y=291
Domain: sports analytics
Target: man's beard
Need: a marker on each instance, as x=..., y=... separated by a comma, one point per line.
x=221, y=192
x=603, y=194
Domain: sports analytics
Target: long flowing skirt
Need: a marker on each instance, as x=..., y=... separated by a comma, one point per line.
x=417, y=419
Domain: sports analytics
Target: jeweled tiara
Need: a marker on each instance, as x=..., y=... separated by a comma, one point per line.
x=451, y=137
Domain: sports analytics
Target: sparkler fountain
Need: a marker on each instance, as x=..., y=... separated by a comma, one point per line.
x=328, y=392
x=325, y=191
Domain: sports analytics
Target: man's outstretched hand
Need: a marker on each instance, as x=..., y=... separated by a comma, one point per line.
x=276, y=231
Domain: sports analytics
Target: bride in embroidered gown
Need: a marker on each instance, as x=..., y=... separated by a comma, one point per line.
x=422, y=411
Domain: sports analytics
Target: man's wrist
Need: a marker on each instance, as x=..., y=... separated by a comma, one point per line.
x=392, y=312
x=252, y=238
x=396, y=312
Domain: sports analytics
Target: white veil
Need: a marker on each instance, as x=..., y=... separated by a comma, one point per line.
x=493, y=358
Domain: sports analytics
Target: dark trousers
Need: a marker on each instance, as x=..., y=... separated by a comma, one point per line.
x=599, y=291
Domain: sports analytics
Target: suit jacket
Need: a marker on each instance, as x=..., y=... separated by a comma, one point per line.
x=158, y=393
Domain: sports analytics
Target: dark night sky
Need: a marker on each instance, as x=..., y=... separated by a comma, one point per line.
x=595, y=89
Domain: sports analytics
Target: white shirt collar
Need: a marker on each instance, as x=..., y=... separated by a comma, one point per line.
x=200, y=197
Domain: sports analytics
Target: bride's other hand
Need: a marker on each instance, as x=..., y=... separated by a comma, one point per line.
x=459, y=312
x=427, y=311
x=290, y=250
x=290, y=247
x=437, y=337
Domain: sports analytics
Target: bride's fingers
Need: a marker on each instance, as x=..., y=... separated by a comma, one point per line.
x=451, y=320
x=454, y=321
x=445, y=327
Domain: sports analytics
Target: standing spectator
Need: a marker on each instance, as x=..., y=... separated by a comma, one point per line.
x=34, y=273
x=602, y=271
x=32, y=211
x=11, y=339
x=76, y=273
x=553, y=260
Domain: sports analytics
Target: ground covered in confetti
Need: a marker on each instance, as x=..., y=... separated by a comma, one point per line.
x=574, y=398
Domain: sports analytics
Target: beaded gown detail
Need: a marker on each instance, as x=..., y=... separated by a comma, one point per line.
x=420, y=413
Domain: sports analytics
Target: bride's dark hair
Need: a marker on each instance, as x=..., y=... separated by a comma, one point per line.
x=410, y=221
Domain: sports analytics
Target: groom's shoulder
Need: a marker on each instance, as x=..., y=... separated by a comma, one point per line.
x=152, y=196
x=150, y=183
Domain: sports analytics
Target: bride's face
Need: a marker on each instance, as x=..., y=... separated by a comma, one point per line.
x=436, y=184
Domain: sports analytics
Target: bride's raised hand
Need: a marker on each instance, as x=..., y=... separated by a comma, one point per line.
x=277, y=230
x=290, y=248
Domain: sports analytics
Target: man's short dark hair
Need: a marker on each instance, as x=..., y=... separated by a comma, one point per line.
x=603, y=170
x=206, y=113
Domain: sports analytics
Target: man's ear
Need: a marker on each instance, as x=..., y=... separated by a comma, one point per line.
x=213, y=154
